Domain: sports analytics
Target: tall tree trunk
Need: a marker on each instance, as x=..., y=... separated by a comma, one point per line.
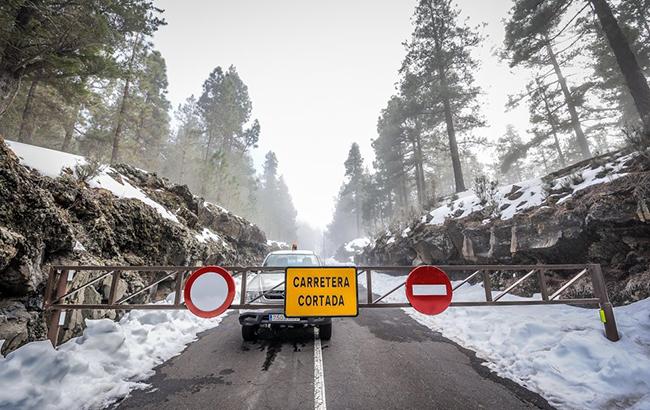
x=141, y=117
x=9, y=86
x=69, y=128
x=181, y=169
x=420, y=161
x=575, y=120
x=26, y=131
x=546, y=171
x=416, y=171
x=558, y=149
x=401, y=191
x=627, y=62
x=357, y=211
x=205, y=167
x=451, y=132
x=551, y=120
x=117, y=135
x=449, y=119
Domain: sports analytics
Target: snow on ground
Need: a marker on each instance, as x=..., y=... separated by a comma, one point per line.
x=558, y=351
x=50, y=163
x=103, y=365
x=356, y=245
x=532, y=190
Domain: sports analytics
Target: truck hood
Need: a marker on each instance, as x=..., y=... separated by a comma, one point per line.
x=266, y=281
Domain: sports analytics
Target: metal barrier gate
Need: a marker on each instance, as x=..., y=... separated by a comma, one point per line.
x=57, y=292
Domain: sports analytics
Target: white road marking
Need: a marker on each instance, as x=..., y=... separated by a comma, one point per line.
x=319, y=376
x=429, y=290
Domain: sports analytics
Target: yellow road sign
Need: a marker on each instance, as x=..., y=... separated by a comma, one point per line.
x=321, y=292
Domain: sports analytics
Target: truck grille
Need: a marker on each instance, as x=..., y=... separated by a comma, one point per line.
x=274, y=294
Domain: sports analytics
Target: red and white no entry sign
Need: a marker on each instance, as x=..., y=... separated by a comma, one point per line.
x=209, y=291
x=428, y=290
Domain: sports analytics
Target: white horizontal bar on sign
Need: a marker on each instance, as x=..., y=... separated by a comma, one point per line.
x=429, y=290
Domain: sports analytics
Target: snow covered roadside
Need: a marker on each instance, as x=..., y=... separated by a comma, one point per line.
x=558, y=351
x=103, y=365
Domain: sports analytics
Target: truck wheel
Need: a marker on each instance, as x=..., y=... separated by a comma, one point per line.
x=325, y=331
x=248, y=332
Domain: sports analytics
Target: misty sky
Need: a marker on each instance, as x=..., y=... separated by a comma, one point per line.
x=318, y=74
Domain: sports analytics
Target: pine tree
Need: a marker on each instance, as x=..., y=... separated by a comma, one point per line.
x=225, y=107
x=33, y=45
x=152, y=107
x=530, y=35
x=354, y=173
x=609, y=81
x=505, y=144
x=534, y=25
x=268, y=217
x=46, y=112
x=438, y=59
x=545, y=105
x=276, y=213
x=342, y=229
x=183, y=151
x=627, y=62
x=390, y=154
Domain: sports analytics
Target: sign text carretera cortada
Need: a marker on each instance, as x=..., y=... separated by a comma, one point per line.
x=321, y=291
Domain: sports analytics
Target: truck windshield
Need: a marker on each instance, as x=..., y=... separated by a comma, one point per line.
x=283, y=260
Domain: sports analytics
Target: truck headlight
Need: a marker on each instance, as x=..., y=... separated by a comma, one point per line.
x=252, y=294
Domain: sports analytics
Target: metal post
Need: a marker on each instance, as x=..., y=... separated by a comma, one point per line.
x=112, y=294
x=242, y=296
x=606, y=308
x=487, y=285
x=53, y=328
x=47, y=297
x=542, y=284
x=369, y=285
x=178, y=287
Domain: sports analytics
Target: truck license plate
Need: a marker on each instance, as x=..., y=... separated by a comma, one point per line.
x=279, y=317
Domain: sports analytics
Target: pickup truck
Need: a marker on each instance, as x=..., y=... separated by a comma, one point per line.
x=261, y=283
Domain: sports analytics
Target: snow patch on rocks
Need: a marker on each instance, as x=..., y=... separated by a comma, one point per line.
x=357, y=245
x=207, y=235
x=514, y=198
x=51, y=163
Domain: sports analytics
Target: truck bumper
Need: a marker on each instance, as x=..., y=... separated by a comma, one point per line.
x=262, y=318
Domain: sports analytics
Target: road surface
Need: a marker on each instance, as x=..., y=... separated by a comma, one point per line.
x=383, y=359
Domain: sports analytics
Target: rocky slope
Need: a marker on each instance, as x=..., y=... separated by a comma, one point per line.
x=595, y=211
x=119, y=215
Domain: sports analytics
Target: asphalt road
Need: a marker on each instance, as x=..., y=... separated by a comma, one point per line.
x=382, y=359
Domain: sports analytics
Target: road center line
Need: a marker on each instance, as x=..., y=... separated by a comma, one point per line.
x=319, y=376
